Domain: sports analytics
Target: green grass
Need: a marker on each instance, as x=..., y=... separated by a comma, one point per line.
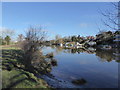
x=15, y=77
x=19, y=79
x=3, y=47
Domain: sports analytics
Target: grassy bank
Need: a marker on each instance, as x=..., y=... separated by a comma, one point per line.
x=13, y=73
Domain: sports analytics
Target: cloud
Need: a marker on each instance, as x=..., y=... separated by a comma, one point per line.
x=36, y=24
x=47, y=24
x=84, y=24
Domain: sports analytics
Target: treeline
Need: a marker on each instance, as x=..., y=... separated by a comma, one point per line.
x=5, y=41
x=106, y=38
x=6, y=36
x=102, y=38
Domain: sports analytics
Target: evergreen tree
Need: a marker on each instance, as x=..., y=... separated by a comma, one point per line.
x=7, y=39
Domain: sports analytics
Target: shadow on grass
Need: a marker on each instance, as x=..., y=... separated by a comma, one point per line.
x=17, y=79
x=16, y=76
x=11, y=58
x=16, y=83
x=12, y=54
x=13, y=61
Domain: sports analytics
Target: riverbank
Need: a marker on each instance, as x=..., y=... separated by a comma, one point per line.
x=14, y=75
x=79, y=68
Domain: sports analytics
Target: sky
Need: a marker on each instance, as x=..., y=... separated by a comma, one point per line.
x=63, y=18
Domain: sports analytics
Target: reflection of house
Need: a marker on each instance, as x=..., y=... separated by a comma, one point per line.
x=92, y=43
x=78, y=44
x=74, y=44
x=60, y=44
x=70, y=44
x=91, y=49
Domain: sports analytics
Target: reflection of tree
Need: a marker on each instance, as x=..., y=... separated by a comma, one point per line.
x=78, y=50
x=67, y=51
x=52, y=46
x=105, y=55
x=59, y=49
x=73, y=51
x=117, y=54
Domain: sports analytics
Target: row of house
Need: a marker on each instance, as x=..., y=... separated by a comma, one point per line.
x=76, y=44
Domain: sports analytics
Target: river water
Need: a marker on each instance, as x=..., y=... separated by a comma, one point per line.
x=98, y=68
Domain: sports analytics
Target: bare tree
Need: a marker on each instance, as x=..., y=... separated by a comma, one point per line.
x=20, y=38
x=112, y=17
x=57, y=37
x=34, y=37
x=7, y=32
x=112, y=21
x=31, y=47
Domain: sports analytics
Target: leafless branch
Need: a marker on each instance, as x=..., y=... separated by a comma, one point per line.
x=111, y=17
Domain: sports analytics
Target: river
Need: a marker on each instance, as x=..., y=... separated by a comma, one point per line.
x=96, y=68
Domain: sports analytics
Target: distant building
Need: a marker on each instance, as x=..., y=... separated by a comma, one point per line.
x=91, y=37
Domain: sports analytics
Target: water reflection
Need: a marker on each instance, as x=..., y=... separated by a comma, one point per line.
x=104, y=55
x=84, y=67
x=108, y=55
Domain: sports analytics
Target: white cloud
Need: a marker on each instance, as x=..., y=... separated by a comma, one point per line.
x=84, y=24
x=47, y=24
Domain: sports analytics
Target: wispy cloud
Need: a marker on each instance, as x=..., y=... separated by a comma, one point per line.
x=47, y=24
x=84, y=24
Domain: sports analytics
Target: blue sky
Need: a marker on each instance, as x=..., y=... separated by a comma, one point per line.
x=63, y=18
